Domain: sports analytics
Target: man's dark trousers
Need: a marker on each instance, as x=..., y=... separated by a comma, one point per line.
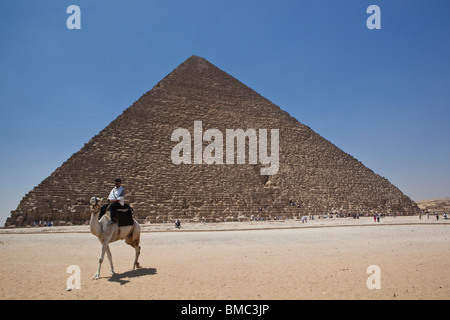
x=112, y=209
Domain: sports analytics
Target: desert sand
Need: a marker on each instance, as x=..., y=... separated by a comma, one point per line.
x=321, y=259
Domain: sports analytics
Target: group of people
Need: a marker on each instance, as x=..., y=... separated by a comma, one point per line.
x=436, y=214
x=43, y=224
x=291, y=204
x=294, y=204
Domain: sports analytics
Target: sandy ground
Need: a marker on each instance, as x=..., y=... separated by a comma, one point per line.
x=323, y=259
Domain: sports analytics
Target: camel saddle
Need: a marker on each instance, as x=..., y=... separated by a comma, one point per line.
x=124, y=215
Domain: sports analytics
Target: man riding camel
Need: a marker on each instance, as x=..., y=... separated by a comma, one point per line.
x=116, y=200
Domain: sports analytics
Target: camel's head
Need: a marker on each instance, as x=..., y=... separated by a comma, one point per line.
x=95, y=201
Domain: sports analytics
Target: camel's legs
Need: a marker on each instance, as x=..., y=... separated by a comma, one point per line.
x=138, y=252
x=133, y=239
x=108, y=253
x=137, y=247
x=100, y=260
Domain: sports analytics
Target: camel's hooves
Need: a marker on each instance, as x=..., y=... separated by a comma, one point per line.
x=96, y=277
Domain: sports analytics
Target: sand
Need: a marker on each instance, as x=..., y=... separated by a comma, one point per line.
x=323, y=259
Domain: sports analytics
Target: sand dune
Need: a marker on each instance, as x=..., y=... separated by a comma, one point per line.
x=439, y=205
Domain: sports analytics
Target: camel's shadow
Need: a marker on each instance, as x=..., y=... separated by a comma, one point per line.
x=122, y=277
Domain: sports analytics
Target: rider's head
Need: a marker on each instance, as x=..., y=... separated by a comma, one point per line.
x=117, y=182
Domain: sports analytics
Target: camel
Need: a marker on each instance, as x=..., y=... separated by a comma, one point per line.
x=108, y=233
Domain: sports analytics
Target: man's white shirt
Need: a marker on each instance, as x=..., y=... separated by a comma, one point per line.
x=118, y=194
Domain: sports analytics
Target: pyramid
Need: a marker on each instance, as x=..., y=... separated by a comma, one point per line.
x=137, y=147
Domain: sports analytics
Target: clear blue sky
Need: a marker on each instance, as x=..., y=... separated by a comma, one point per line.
x=382, y=96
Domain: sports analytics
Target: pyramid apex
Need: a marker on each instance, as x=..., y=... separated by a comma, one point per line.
x=196, y=60
x=194, y=57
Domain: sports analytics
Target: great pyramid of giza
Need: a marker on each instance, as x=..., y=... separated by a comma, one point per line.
x=137, y=146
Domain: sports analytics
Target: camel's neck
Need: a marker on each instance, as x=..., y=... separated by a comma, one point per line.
x=96, y=228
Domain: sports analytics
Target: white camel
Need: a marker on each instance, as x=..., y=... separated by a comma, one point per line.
x=108, y=233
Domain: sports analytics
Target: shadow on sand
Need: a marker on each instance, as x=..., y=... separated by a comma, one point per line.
x=122, y=278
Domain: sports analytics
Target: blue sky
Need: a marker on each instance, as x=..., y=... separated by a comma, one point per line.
x=382, y=96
